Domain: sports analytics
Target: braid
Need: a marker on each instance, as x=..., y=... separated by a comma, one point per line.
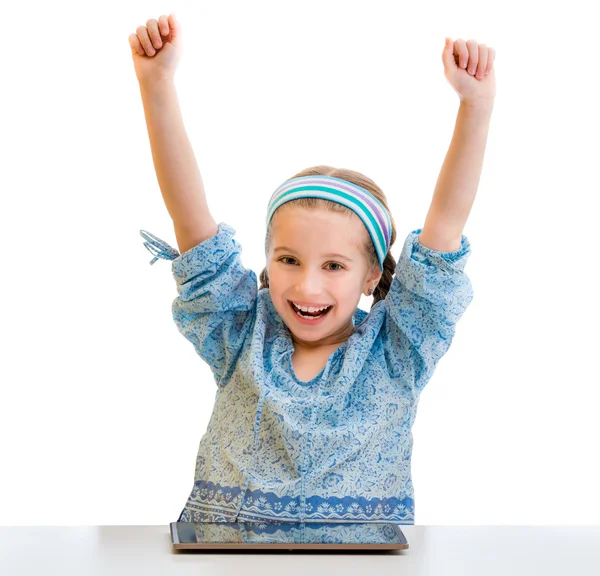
x=264, y=279
x=387, y=277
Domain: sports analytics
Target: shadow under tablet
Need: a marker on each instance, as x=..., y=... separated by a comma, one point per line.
x=287, y=535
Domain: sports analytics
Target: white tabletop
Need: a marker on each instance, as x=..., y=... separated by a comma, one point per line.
x=447, y=550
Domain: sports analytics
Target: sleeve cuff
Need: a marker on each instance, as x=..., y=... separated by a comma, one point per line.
x=454, y=260
x=220, y=245
x=207, y=256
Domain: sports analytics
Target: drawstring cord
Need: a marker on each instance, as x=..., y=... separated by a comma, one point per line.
x=158, y=247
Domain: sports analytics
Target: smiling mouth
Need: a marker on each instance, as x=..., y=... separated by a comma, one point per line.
x=309, y=315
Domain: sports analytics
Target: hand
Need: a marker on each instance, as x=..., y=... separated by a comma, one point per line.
x=156, y=49
x=469, y=67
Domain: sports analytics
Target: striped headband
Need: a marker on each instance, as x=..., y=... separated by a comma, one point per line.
x=370, y=210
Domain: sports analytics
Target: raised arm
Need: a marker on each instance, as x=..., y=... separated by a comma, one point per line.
x=156, y=49
x=458, y=180
x=176, y=167
x=469, y=69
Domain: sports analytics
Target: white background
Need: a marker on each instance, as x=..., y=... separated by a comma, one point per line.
x=103, y=402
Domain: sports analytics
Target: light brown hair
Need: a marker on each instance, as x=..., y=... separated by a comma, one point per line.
x=389, y=263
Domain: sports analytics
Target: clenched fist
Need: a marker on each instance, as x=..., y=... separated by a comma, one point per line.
x=156, y=49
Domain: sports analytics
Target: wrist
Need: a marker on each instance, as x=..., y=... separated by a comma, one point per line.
x=156, y=85
x=483, y=104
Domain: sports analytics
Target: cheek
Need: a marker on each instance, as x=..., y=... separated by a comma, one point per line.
x=348, y=285
x=350, y=297
x=277, y=285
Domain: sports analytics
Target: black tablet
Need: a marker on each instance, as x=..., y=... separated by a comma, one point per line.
x=287, y=535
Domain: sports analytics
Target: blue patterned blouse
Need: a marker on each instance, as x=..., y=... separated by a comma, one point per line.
x=337, y=448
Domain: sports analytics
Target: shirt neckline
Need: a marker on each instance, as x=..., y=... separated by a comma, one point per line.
x=330, y=360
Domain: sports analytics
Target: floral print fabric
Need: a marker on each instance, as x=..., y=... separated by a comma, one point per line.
x=337, y=448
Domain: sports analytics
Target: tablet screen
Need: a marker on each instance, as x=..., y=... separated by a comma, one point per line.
x=280, y=532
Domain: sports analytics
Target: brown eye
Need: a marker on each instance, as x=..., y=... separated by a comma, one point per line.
x=336, y=264
x=285, y=258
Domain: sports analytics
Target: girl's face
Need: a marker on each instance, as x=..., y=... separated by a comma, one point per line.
x=316, y=259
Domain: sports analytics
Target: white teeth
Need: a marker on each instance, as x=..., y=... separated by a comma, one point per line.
x=309, y=308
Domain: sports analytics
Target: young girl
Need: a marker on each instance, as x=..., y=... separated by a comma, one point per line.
x=315, y=397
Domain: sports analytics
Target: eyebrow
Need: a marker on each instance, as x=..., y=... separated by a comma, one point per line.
x=331, y=255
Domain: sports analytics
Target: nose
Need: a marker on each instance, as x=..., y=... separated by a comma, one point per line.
x=309, y=285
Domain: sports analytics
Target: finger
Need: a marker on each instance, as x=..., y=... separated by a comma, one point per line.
x=153, y=32
x=176, y=31
x=134, y=42
x=142, y=34
x=490, y=59
x=460, y=49
x=447, y=55
x=483, y=56
x=163, y=25
x=473, y=56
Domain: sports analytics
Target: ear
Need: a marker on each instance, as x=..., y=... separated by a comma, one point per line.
x=373, y=279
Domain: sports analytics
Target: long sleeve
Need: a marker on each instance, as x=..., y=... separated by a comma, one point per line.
x=216, y=305
x=428, y=296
